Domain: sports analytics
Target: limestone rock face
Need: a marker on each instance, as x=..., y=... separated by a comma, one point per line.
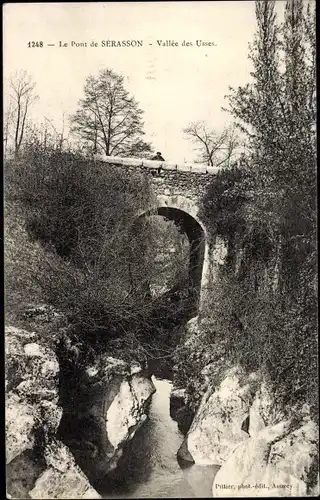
x=71, y=484
x=22, y=473
x=31, y=369
x=126, y=412
x=108, y=403
x=177, y=401
x=248, y=471
x=180, y=411
x=297, y=452
x=63, y=478
x=32, y=390
x=15, y=367
x=20, y=424
x=218, y=426
x=105, y=412
x=32, y=418
x=240, y=427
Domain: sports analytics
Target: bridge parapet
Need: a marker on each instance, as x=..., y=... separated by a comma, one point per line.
x=192, y=168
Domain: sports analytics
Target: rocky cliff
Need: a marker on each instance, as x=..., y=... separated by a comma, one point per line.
x=42, y=461
x=103, y=408
x=238, y=426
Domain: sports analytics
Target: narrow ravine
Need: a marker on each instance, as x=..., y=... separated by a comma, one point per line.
x=149, y=467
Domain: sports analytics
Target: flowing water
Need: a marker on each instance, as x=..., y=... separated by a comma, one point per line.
x=149, y=467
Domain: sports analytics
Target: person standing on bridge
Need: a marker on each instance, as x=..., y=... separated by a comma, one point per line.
x=158, y=157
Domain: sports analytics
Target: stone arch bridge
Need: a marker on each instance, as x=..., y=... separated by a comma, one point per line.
x=178, y=190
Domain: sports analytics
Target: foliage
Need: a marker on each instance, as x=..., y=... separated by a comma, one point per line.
x=190, y=361
x=108, y=119
x=82, y=213
x=23, y=260
x=139, y=149
x=265, y=301
x=95, y=260
x=270, y=332
x=226, y=198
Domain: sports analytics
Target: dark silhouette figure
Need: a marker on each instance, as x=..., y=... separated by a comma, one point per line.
x=158, y=157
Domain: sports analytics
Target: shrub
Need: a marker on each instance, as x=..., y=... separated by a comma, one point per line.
x=96, y=254
x=263, y=306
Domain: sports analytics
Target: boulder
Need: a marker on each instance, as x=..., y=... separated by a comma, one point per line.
x=142, y=389
x=63, y=478
x=103, y=411
x=22, y=473
x=15, y=366
x=297, y=452
x=248, y=473
x=127, y=410
x=20, y=427
x=177, y=401
x=218, y=425
x=31, y=369
x=183, y=455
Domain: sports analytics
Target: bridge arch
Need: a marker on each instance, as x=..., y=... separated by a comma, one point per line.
x=181, y=187
x=183, y=212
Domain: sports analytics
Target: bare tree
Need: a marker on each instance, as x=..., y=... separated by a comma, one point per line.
x=213, y=149
x=22, y=95
x=46, y=136
x=108, y=119
x=57, y=138
x=8, y=120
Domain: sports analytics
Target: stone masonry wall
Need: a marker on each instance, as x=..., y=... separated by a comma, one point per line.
x=169, y=179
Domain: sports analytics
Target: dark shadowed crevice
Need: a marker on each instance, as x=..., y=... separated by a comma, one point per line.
x=188, y=225
x=245, y=424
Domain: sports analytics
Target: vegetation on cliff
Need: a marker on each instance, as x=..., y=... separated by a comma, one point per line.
x=75, y=241
x=263, y=309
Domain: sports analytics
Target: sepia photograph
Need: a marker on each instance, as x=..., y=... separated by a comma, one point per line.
x=160, y=249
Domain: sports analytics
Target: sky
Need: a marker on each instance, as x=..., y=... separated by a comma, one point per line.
x=174, y=85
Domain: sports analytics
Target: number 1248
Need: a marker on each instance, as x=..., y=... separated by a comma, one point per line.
x=35, y=44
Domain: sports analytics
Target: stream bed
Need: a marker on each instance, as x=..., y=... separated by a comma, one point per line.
x=148, y=467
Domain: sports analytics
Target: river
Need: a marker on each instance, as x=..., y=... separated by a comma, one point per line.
x=148, y=467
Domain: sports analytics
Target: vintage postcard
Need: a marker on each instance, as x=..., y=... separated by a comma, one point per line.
x=160, y=249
